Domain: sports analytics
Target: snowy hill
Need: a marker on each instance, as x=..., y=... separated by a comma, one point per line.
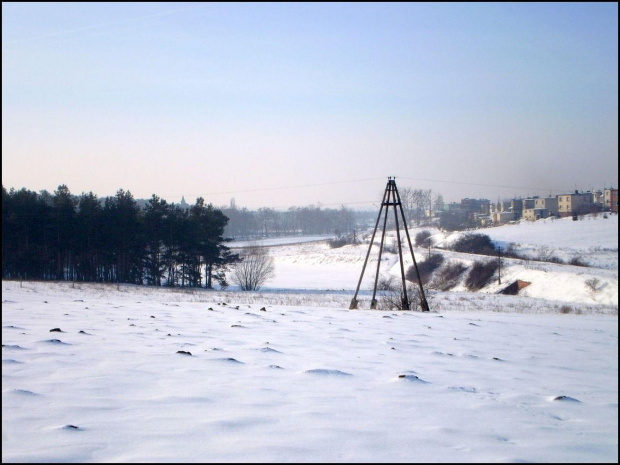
x=594, y=241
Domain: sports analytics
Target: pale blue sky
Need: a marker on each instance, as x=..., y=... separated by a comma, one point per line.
x=232, y=100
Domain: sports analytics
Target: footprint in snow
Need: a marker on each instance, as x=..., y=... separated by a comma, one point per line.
x=463, y=389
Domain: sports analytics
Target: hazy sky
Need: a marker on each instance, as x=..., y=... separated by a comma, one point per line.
x=296, y=104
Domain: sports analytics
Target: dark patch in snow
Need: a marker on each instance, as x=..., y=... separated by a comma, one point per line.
x=184, y=352
x=10, y=361
x=566, y=399
x=12, y=347
x=269, y=349
x=325, y=372
x=56, y=330
x=278, y=367
x=229, y=360
x=83, y=332
x=24, y=392
x=237, y=326
x=72, y=428
x=55, y=341
x=473, y=324
x=412, y=377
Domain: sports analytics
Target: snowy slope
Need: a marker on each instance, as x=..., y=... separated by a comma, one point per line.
x=318, y=267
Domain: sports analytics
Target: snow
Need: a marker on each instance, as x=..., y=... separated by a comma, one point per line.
x=289, y=374
x=593, y=238
x=315, y=266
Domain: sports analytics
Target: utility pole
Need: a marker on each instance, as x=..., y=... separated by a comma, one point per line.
x=391, y=198
x=499, y=261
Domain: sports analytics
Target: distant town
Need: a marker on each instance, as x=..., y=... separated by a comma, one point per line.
x=483, y=212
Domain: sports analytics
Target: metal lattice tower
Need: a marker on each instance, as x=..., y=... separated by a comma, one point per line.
x=391, y=198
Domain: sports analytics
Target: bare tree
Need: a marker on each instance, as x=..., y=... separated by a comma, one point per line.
x=255, y=268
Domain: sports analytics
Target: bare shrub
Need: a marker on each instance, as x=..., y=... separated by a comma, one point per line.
x=393, y=298
x=545, y=254
x=421, y=238
x=578, y=261
x=449, y=276
x=255, y=268
x=426, y=269
x=481, y=274
x=593, y=284
x=386, y=282
x=474, y=243
x=511, y=251
x=337, y=243
x=565, y=309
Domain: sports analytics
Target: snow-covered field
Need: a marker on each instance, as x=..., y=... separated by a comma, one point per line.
x=289, y=374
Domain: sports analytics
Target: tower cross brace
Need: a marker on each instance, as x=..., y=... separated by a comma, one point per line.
x=391, y=198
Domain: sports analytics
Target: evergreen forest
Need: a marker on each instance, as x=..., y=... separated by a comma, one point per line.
x=64, y=237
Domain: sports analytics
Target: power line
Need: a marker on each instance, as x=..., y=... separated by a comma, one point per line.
x=263, y=189
x=484, y=185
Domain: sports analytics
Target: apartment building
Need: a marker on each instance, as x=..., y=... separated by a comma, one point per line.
x=577, y=203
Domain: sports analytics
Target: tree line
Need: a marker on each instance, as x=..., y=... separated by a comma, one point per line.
x=60, y=236
x=418, y=205
x=268, y=222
